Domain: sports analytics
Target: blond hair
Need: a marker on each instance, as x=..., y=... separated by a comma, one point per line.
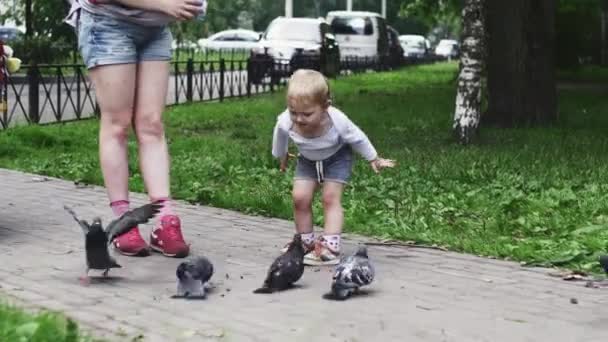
x=308, y=86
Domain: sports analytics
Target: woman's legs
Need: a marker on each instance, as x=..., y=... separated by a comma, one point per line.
x=115, y=92
x=151, y=93
x=150, y=97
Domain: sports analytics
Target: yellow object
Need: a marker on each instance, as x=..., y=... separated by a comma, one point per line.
x=13, y=64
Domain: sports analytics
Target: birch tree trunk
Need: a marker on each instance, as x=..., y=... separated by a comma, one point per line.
x=604, y=28
x=468, y=95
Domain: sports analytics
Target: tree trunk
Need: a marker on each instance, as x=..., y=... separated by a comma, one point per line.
x=604, y=37
x=521, y=62
x=468, y=96
x=28, y=18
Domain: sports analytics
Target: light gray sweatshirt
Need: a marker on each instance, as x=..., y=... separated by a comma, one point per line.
x=343, y=131
x=117, y=10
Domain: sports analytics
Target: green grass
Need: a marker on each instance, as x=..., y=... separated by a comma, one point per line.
x=17, y=325
x=587, y=73
x=538, y=195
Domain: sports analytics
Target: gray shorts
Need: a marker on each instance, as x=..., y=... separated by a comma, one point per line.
x=106, y=40
x=336, y=168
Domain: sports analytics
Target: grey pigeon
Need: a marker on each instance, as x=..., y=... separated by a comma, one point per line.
x=97, y=239
x=193, y=278
x=286, y=269
x=352, y=273
x=604, y=262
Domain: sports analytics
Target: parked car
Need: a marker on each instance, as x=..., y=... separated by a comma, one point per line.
x=183, y=45
x=8, y=34
x=293, y=43
x=360, y=34
x=447, y=48
x=239, y=39
x=394, y=47
x=415, y=47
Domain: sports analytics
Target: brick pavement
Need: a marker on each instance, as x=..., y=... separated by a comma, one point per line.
x=419, y=294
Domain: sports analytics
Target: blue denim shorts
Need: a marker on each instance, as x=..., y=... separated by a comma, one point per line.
x=337, y=168
x=107, y=40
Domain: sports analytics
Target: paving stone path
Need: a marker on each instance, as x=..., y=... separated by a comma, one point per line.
x=419, y=295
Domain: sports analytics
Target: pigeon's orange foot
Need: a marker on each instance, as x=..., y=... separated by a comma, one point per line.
x=85, y=280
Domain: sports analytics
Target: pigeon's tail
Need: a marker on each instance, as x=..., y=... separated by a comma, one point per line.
x=334, y=296
x=265, y=290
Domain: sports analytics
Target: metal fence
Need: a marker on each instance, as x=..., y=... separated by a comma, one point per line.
x=59, y=93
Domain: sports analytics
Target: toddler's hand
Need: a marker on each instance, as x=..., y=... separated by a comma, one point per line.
x=285, y=160
x=381, y=163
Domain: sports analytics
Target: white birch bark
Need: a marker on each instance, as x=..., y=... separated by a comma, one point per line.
x=468, y=96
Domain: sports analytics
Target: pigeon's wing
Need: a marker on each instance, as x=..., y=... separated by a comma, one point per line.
x=274, y=270
x=362, y=272
x=354, y=272
x=203, y=269
x=83, y=224
x=343, y=273
x=130, y=219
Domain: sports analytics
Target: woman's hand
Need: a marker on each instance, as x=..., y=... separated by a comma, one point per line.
x=181, y=9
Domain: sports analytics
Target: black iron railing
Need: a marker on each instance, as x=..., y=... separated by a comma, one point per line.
x=58, y=93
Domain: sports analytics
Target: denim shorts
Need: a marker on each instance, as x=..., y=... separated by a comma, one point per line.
x=107, y=40
x=336, y=168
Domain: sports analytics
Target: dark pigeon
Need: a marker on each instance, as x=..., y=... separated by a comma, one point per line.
x=352, y=273
x=286, y=269
x=97, y=239
x=193, y=278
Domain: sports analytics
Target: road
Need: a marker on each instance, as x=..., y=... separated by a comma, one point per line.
x=74, y=100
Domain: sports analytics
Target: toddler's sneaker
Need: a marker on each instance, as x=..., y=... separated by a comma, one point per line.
x=322, y=254
x=167, y=238
x=131, y=243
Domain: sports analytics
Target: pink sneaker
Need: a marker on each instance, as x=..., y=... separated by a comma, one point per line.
x=168, y=239
x=131, y=243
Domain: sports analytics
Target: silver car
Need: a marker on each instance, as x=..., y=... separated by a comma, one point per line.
x=239, y=39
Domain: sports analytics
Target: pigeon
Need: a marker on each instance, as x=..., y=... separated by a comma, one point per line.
x=352, y=273
x=604, y=263
x=97, y=239
x=286, y=269
x=193, y=278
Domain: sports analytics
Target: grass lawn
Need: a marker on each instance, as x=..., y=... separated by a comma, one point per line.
x=538, y=195
x=587, y=73
x=16, y=325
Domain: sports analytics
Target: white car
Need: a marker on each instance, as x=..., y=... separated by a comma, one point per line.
x=360, y=34
x=239, y=39
x=414, y=46
x=291, y=43
x=447, y=48
x=183, y=45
